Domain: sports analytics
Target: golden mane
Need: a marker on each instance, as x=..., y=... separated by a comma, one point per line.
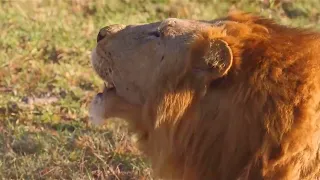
x=263, y=121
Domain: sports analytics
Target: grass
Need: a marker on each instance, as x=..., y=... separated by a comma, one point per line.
x=46, y=82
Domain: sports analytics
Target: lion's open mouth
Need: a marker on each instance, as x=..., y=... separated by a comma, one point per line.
x=108, y=86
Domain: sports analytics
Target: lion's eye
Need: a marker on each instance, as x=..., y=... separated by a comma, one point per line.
x=154, y=33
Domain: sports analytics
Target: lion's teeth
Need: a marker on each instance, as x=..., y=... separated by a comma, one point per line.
x=109, y=85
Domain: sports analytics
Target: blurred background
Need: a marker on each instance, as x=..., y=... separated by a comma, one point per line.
x=47, y=82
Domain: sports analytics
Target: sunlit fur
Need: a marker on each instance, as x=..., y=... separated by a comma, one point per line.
x=260, y=121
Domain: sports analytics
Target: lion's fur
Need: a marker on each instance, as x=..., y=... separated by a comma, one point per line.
x=265, y=120
x=260, y=121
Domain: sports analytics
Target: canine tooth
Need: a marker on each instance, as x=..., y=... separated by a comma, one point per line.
x=109, y=85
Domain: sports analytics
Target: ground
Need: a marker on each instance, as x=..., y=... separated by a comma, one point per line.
x=47, y=82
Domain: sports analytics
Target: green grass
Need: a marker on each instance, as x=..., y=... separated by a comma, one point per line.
x=47, y=82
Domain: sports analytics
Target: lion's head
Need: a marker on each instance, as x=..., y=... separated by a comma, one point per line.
x=132, y=57
x=223, y=99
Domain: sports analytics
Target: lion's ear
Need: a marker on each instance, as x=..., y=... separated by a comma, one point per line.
x=213, y=57
x=218, y=58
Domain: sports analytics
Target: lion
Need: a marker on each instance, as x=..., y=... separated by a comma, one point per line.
x=233, y=98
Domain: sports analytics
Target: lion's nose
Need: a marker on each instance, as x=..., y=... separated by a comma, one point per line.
x=109, y=30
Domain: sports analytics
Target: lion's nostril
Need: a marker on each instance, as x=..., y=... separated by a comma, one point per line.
x=102, y=33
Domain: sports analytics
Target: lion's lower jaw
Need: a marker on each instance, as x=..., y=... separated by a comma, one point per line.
x=96, y=111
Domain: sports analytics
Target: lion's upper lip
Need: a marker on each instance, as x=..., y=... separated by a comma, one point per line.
x=96, y=60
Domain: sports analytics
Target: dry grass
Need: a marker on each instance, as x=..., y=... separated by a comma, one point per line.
x=46, y=82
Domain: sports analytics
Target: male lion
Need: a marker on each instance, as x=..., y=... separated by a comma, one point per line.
x=233, y=98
